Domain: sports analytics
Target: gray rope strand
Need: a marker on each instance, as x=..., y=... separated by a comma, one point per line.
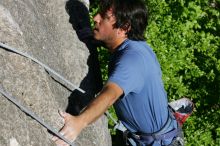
x=30, y=113
x=43, y=65
x=110, y=116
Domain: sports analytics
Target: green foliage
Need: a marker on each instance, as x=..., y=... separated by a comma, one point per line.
x=186, y=38
x=202, y=129
x=103, y=59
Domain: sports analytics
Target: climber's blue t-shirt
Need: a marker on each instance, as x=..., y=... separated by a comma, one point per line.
x=134, y=68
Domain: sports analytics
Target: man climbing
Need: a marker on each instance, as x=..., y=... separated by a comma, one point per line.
x=134, y=86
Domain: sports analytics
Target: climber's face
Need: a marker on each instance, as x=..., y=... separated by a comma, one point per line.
x=103, y=29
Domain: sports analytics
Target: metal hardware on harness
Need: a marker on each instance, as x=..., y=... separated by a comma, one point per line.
x=30, y=113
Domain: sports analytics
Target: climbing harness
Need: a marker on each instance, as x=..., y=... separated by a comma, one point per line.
x=30, y=113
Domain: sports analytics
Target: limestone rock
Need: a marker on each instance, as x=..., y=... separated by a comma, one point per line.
x=41, y=28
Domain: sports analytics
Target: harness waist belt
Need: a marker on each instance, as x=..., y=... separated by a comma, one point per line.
x=157, y=137
x=161, y=134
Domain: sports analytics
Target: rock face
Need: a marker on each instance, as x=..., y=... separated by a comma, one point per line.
x=41, y=28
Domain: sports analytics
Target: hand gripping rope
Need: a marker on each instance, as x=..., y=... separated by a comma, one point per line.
x=27, y=111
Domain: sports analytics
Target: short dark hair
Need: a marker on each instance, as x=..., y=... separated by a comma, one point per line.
x=131, y=15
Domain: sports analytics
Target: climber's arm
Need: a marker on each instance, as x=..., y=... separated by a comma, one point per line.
x=74, y=124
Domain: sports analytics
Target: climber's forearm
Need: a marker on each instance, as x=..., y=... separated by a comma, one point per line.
x=110, y=93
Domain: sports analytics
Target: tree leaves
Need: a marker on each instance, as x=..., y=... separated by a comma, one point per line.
x=185, y=36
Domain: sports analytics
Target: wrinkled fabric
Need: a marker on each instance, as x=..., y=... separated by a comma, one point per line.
x=143, y=107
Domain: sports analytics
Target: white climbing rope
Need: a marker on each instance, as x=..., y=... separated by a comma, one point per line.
x=34, y=116
x=43, y=65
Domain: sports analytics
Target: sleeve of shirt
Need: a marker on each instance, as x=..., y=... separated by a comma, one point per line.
x=128, y=73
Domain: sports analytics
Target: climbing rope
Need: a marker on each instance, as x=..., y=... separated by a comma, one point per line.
x=43, y=65
x=30, y=113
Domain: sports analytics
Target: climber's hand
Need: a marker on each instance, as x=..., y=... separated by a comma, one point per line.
x=79, y=14
x=79, y=18
x=70, y=130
